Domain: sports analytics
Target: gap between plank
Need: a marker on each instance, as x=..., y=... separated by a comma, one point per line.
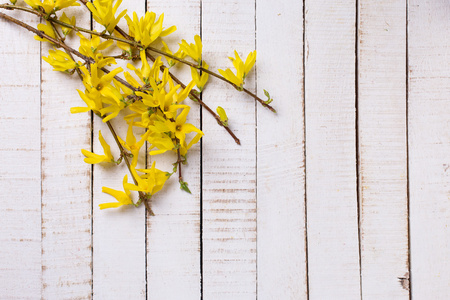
x=407, y=150
x=358, y=191
x=304, y=149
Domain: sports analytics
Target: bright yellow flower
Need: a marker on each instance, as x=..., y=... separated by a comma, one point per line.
x=159, y=98
x=123, y=198
x=193, y=50
x=200, y=81
x=160, y=141
x=242, y=69
x=95, y=81
x=103, y=12
x=146, y=30
x=47, y=29
x=93, y=103
x=51, y=6
x=151, y=182
x=181, y=128
x=131, y=145
x=114, y=98
x=65, y=19
x=145, y=72
x=60, y=61
x=89, y=47
x=92, y=158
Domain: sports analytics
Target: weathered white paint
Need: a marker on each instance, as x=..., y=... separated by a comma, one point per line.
x=20, y=164
x=282, y=270
x=119, y=270
x=135, y=255
x=173, y=266
x=429, y=147
x=333, y=258
x=66, y=206
x=229, y=170
x=382, y=149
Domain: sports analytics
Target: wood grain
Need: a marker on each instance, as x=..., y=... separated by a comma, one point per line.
x=229, y=170
x=333, y=249
x=429, y=147
x=66, y=183
x=282, y=269
x=177, y=213
x=20, y=164
x=382, y=149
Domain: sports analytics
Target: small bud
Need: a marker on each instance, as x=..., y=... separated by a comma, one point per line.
x=13, y=1
x=269, y=99
x=223, y=116
x=184, y=186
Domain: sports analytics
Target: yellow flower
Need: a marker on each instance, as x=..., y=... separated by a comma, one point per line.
x=249, y=62
x=146, y=30
x=242, y=69
x=65, y=19
x=92, y=158
x=159, y=98
x=60, y=61
x=193, y=50
x=47, y=29
x=114, y=98
x=151, y=182
x=103, y=12
x=51, y=6
x=145, y=72
x=160, y=141
x=95, y=81
x=181, y=128
x=93, y=103
x=131, y=145
x=90, y=46
x=180, y=54
x=200, y=81
x=123, y=198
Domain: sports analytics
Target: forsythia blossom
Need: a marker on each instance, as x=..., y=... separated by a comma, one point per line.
x=193, y=50
x=242, y=69
x=146, y=30
x=103, y=12
x=92, y=158
x=123, y=198
x=60, y=61
x=51, y=6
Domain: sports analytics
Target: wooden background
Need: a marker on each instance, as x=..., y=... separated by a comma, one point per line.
x=344, y=194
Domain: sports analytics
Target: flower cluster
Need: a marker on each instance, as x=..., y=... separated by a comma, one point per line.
x=146, y=95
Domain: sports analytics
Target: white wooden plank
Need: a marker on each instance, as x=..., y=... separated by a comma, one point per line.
x=229, y=174
x=173, y=234
x=282, y=270
x=429, y=147
x=382, y=149
x=20, y=179
x=118, y=234
x=333, y=250
x=66, y=182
